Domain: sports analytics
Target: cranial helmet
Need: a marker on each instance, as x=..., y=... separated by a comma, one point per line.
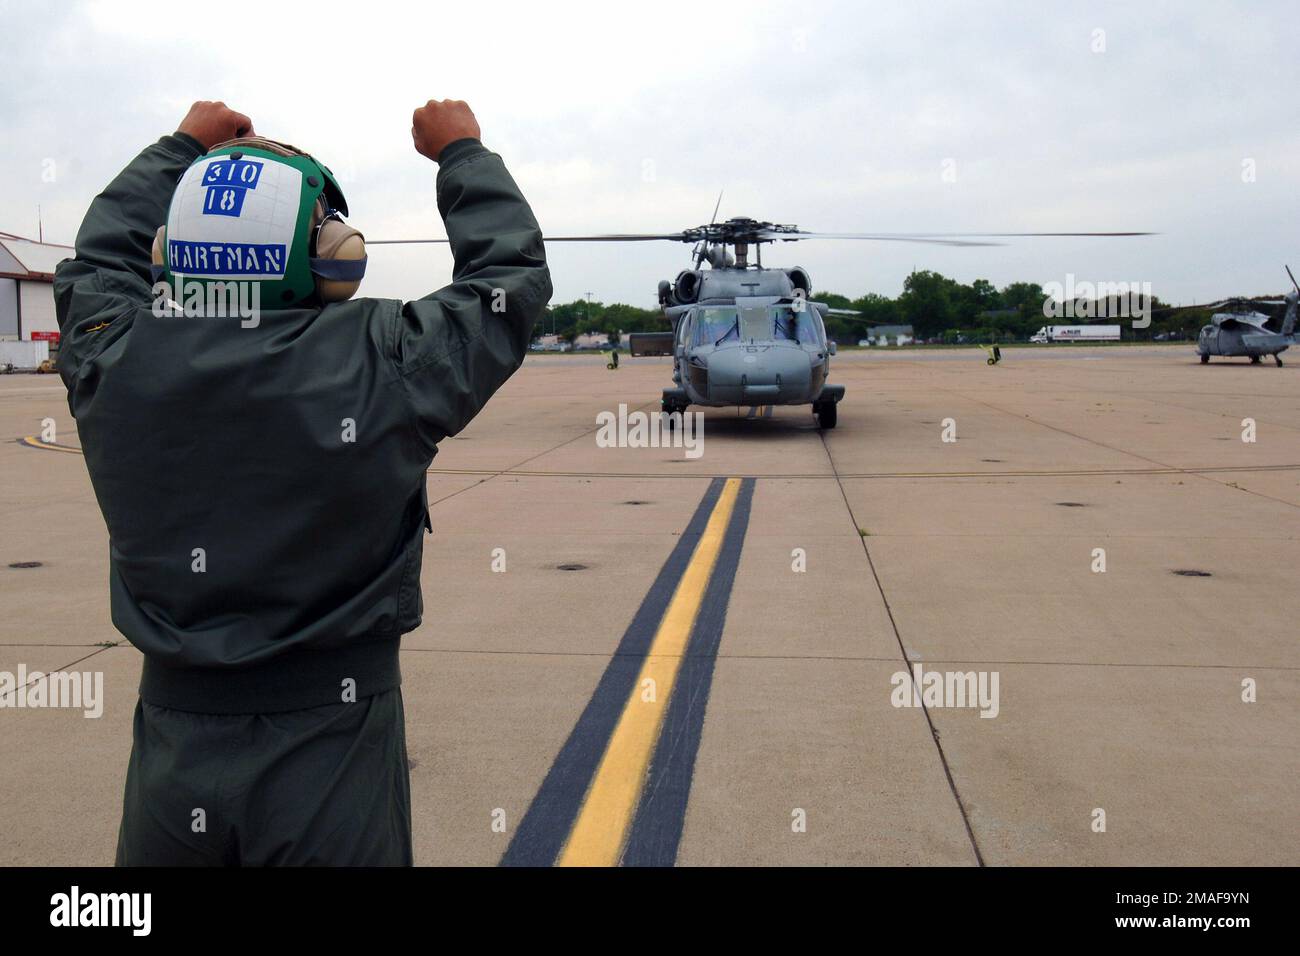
x=252, y=209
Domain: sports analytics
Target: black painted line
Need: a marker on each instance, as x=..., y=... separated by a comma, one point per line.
x=661, y=813
x=550, y=816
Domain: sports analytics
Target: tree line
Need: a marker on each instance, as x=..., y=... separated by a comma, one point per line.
x=938, y=308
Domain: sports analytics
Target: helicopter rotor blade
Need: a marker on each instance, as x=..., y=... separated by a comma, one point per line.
x=1210, y=306
x=622, y=237
x=853, y=315
x=767, y=236
x=790, y=234
x=1194, y=305
x=931, y=238
x=716, y=208
x=793, y=234
x=609, y=237
x=1042, y=235
x=1293, y=282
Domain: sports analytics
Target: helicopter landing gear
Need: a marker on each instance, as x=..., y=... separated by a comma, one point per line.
x=826, y=413
x=1254, y=360
x=1277, y=357
x=1205, y=359
x=673, y=405
x=673, y=412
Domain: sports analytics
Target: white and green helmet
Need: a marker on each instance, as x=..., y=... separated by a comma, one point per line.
x=250, y=210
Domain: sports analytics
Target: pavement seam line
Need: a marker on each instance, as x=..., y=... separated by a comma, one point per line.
x=817, y=657
x=498, y=474
x=934, y=733
x=1120, y=451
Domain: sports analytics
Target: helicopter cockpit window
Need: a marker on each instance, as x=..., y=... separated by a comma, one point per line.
x=795, y=326
x=716, y=324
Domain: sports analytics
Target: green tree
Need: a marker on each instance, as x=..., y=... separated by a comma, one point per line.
x=927, y=303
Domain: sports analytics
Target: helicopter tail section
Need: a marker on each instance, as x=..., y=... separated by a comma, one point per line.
x=1293, y=297
x=1288, y=320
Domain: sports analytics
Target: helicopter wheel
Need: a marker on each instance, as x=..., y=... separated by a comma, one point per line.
x=1277, y=357
x=670, y=411
x=1254, y=360
x=826, y=414
x=1205, y=360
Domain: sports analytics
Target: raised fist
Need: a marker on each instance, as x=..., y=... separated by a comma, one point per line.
x=211, y=123
x=439, y=123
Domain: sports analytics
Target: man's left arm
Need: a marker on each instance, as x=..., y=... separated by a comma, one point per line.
x=97, y=292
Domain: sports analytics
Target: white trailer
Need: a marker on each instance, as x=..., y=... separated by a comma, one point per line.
x=1076, y=333
x=23, y=355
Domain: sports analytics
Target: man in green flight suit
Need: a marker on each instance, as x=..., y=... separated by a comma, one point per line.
x=262, y=476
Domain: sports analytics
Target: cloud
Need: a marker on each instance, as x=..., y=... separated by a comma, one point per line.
x=617, y=117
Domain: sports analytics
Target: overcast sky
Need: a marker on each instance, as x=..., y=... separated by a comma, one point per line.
x=632, y=117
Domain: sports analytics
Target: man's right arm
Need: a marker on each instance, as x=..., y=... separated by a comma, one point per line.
x=457, y=346
x=97, y=291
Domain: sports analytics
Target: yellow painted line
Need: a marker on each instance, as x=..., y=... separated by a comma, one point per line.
x=599, y=833
x=31, y=441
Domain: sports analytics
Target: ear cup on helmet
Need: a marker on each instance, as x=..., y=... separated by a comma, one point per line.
x=158, y=254
x=338, y=259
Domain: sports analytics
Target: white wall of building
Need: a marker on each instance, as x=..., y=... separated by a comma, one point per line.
x=36, y=300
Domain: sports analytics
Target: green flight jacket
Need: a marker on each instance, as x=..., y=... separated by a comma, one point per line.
x=264, y=487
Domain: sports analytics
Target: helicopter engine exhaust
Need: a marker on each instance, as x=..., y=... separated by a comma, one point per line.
x=800, y=279
x=687, y=286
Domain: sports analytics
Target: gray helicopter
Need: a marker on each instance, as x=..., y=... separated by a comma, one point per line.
x=1243, y=331
x=748, y=335
x=743, y=334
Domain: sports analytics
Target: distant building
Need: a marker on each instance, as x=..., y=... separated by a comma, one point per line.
x=27, y=288
x=591, y=340
x=550, y=343
x=890, y=335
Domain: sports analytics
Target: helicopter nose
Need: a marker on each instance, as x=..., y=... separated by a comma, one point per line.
x=753, y=375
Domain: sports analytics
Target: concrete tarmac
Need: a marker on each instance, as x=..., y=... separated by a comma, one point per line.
x=775, y=611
